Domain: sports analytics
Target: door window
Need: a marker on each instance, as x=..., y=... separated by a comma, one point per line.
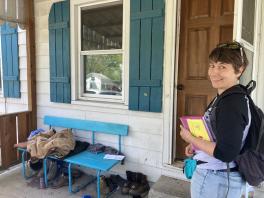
x=247, y=35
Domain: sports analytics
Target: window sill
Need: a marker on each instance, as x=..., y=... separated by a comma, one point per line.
x=104, y=104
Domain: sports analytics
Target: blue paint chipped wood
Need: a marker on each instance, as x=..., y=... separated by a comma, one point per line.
x=9, y=45
x=59, y=45
x=134, y=56
x=146, y=55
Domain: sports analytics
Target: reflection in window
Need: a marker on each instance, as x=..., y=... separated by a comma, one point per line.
x=247, y=75
x=0, y=63
x=0, y=72
x=248, y=21
x=101, y=49
x=103, y=74
x=102, y=28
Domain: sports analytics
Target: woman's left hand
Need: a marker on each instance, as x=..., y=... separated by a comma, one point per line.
x=185, y=134
x=204, y=145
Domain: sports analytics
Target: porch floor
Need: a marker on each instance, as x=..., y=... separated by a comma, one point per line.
x=12, y=184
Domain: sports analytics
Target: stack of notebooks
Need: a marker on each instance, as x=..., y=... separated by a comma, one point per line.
x=197, y=126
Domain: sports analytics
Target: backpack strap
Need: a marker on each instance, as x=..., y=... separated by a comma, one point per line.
x=239, y=89
x=260, y=134
x=228, y=173
x=251, y=86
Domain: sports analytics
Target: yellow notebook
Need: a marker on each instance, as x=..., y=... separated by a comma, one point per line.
x=197, y=126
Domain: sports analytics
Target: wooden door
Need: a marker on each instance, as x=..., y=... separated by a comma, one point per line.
x=204, y=23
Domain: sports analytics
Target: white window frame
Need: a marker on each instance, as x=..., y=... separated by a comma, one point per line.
x=76, y=61
x=256, y=43
x=1, y=68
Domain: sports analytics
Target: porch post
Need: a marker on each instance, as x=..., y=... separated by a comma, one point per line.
x=31, y=65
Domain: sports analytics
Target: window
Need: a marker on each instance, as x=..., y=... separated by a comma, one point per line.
x=248, y=19
x=1, y=90
x=247, y=36
x=101, y=58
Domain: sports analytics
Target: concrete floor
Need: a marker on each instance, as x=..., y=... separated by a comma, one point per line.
x=167, y=187
x=13, y=185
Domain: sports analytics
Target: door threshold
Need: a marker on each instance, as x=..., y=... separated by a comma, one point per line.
x=178, y=164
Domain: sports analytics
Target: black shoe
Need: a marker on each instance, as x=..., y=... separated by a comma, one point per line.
x=141, y=188
x=131, y=179
x=112, y=185
x=129, y=175
x=126, y=187
x=118, y=180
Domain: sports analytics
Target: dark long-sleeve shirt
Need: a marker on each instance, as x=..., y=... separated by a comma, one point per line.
x=231, y=121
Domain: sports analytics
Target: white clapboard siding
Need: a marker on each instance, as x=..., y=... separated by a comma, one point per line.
x=23, y=87
x=23, y=74
x=42, y=49
x=42, y=61
x=43, y=88
x=23, y=62
x=42, y=74
x=43, y=101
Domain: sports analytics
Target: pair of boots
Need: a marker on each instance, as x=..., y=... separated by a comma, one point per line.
x=136, y=185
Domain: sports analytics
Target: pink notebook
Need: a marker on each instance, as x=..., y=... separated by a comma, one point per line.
x=197, y=126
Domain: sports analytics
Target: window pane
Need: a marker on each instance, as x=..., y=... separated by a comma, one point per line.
x=0, y=63
x=103, y=74
x=248, y=21
x=101, y=28
x=0, y=73
x=247, y=75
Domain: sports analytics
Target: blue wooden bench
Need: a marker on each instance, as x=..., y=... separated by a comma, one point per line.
x=86, y=159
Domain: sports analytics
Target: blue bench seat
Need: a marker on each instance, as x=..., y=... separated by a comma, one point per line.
x=92, y=160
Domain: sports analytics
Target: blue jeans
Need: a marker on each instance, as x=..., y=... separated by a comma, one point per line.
x=214, y=184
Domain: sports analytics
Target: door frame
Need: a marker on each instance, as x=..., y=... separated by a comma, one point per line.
x=260, y=71
x=171, y=52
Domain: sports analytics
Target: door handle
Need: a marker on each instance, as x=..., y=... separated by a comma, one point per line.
x=180, y=87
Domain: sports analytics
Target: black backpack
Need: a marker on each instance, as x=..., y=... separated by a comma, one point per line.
x=250, y=161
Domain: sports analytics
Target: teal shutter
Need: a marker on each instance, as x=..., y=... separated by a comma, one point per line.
x=146, y=55
x=59, y=49
x=9, y=45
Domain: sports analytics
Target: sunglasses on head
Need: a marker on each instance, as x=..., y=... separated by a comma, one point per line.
x=233, y=45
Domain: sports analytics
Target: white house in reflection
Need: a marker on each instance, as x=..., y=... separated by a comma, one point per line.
x=97, y=83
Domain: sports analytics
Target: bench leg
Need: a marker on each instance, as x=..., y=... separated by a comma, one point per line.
x=45, y=171
x=98, y=183
x=23, y=160
x=77, y=188
x=24, y=165
x=70, y=178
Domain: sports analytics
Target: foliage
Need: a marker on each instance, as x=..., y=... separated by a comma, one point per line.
x=108, y=65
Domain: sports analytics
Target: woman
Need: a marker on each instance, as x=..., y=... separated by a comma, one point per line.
x=229, y=122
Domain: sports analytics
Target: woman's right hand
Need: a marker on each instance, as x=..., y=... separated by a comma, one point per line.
x=189, y=152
